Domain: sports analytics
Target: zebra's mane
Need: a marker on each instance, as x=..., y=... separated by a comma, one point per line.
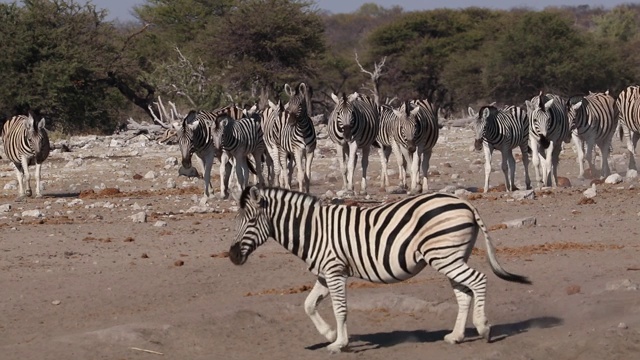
x=246, y=194
x=574, y=100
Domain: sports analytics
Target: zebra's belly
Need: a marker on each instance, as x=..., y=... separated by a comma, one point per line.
x=394, y=275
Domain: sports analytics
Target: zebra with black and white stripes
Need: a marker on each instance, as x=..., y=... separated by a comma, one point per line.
x=353, y=125
x=503, y=130
x=397, y=134
x=195, y=137
x=387, y=243
x=26, y=142
x=628, y=106
x=236, y=140
x=273, y=122
x=548, y=129
x=298, y=136
x=425, y=116
x=593, y=121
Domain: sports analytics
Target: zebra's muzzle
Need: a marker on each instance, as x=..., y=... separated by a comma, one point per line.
x=477, y=145
x=235, y=255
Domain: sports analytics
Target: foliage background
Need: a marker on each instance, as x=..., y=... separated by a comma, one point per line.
x=63, y=60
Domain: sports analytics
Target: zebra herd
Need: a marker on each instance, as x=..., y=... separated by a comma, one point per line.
x=283, y=136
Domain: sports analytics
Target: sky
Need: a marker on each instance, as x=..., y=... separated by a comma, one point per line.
x=122, y=9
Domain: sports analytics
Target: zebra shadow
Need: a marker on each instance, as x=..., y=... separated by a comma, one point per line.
x=499, y=332
x=58, y=195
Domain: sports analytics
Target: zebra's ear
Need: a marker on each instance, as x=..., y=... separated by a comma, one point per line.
x=175, y=125
x=548, y=104
x=302, y=88
x=255, y=196
x=353, y=96
x=41, y=124
x=485, y=113
x=287, y=90
x=577, y=105
x=272, y=105
x=335, y=98
x=472, y=112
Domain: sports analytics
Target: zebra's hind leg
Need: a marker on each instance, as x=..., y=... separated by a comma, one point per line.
x=38, y=181
x=27, y=178
x=337, y=288
x=20, y=176
x=464, y=297
x=317, y=294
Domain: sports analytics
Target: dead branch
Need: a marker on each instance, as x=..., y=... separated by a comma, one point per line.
x=375, y=77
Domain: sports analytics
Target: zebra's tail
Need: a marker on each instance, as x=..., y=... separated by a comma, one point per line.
x=619, y=130
x=491, y=255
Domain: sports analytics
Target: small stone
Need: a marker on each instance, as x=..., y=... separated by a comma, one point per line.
x=622, y=326
x=171, y=161
x=171, y=183
x=573, y=289
x=150, y=175
x=449, y=189
x=632, y=174
x=590, y=192
x=178, y=263
x=140, y=217
x=520, y=223
x=56, y=302
x=613, y=179
x=563, y=182
x=523, y=194
x=11, y=185
x=160, y=223
x=5, y=208
x=32, y=213
x=144, y=256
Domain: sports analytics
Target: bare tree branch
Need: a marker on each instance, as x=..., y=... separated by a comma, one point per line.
x=375, y=77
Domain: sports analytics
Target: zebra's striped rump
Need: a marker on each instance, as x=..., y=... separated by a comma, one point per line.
x=387, y=243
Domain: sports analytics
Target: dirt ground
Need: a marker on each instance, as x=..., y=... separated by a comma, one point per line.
x=79, y=279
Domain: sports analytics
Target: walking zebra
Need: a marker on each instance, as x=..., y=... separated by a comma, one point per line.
x=353, y=125
x=592, y=120
x=397, y=134
x=548, y=128
x=628, y=106
x=427, y=133
x=298, y=136
x=388, y=243
x=26, y=143
x=195, y=136
x=503, y=130
x=236, y=140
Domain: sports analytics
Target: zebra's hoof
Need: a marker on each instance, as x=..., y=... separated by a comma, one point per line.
x=453, y=338
x=28, y=193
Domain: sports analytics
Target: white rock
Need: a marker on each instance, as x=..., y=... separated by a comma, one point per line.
x=632, y=174
x=140, y=217
x=5, y=208
x=150, y=175
x=462, y=192
x=160, y=223
x=624, y=284
x=116, y=143
x=198, y=209
x=74, y=163
x=449, y=189
x=11, y=185
x=520, y=223
x=613, y=179
x=136, y=206
x=171, y=161
x=590, y=192
x=56, y=302
x=171, y=183
x=32, y=213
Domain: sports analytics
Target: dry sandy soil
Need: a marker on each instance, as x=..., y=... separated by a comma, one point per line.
x=81, y=280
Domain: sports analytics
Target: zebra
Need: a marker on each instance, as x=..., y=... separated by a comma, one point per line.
x=298, y=136
x=353, y=125
x=272, y=125
x=387, y=243
x=194, y=136
x=26, y=142
x=236, y=140
x=428, y=131
x=502, y=129
x=548, y=129
x=628, y=107
x=397, y=134
x=592, y=120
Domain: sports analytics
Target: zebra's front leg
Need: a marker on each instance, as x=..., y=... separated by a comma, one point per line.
x=307, y=164
x=535, y=159
x=351, y=164
x=415, y=172
x=384, y=158
x=631, y=146
x=365, y=164
x=337, y=288
x=578, y=143
x=242, y=170
x=525, y=163
x=604, y=163
x=555, y=160
x=548, y=166
x=426, y=157
x=317, y=294
x=300, y=167
x=225, y=174
x=208, y=164
x=27, y=176
x=343, y=168
x=20, y=177
x=258, y=159
x=402, y=163
x=38, y=179
x=487, y=165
